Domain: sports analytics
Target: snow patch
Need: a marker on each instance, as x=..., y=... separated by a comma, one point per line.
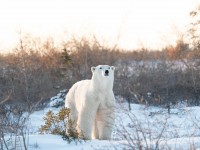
x=182, y=128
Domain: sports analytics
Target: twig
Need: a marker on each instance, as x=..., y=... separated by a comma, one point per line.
x=6, y=99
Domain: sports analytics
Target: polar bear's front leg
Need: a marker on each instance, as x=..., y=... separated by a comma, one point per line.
x=85, y=123
x=95, y=132
x=105, y=123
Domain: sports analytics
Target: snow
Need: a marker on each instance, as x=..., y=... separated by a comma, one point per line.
x=53, y=142
x=58, y=100
x=181, y=127
x=150, y=125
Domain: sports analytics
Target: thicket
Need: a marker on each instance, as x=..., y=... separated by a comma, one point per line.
x=36, y=71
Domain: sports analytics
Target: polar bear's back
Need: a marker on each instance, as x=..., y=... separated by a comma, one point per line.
x=75, y=92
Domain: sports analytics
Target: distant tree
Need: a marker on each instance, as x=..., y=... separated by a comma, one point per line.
x=66, y=57
x=194, y=30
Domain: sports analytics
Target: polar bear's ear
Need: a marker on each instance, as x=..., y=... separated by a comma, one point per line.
x=113, y=68
x=93, y=69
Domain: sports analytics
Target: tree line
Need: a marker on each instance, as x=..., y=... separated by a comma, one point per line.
x=37, y=69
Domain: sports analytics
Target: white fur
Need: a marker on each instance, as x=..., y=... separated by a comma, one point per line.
x=92, y=104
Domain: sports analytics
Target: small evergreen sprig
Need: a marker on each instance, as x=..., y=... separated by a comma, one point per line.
x=60, y=124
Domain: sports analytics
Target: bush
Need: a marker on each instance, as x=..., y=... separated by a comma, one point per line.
x=13, y=127
x=60, y=124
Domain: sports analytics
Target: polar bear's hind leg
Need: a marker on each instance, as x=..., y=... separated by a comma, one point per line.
x=69, y=103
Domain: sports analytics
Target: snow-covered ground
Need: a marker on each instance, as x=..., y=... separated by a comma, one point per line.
x=151, y=127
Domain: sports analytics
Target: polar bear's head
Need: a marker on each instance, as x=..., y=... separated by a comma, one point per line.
x=104, y=74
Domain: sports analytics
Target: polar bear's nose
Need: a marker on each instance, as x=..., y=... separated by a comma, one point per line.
x=106, y=72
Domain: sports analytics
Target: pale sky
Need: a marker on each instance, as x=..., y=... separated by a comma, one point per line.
x=130, y=23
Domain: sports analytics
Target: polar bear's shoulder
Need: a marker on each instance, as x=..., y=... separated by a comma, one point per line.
x=81, y=83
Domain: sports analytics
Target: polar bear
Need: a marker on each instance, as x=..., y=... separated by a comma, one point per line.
x=92, y=104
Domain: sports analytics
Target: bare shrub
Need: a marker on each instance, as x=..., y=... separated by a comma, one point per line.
x=139, y=133
x=13, y=131
x=153, y=128
x=32, y=76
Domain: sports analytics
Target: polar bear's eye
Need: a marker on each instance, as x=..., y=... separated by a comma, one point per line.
x=108, y=67
x=100, y=68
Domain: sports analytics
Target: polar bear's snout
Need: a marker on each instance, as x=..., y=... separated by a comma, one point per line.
x=106, y=73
